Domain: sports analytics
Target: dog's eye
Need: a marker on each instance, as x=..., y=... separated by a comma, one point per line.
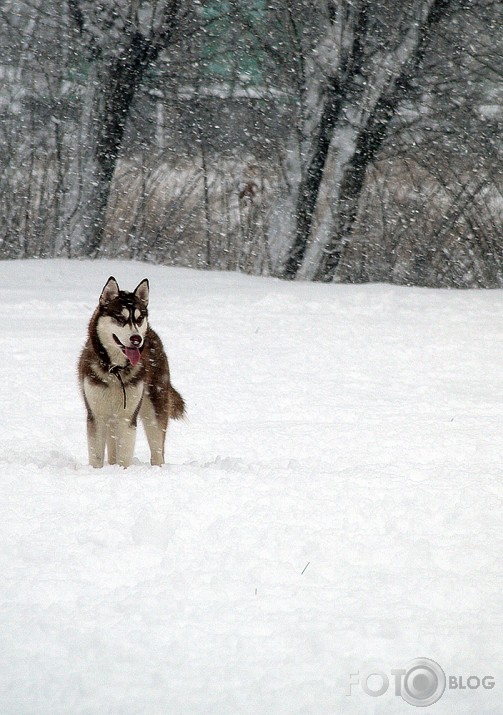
x=139, y=321
x=120, y=320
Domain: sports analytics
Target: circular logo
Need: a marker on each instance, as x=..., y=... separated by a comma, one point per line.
x=423, y=682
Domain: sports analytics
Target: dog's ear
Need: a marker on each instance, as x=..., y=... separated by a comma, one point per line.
x=110, y=291
x=141, y=291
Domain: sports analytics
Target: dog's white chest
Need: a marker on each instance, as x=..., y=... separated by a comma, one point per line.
x=107, y=400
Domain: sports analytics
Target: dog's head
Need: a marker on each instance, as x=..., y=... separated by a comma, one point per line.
x=123, y=321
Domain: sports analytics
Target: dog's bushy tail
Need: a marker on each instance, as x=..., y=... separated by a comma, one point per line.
x=176, y=404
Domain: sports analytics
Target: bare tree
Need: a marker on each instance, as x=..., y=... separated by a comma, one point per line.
x=123, y=39
x=362, y=67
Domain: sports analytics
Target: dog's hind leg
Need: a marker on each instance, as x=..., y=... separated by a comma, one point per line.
x=156, y=436
x=155, y=429
x=96, y=437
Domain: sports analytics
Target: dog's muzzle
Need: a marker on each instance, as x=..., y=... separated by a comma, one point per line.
x=133, y=353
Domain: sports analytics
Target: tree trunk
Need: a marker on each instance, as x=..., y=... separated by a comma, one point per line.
x=309, y=188
x=115, y=97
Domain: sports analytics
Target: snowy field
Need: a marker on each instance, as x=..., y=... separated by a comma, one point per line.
x=333, y=505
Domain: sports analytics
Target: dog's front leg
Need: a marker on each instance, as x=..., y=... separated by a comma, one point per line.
x=126, y=438
x=112, y=443
x=96, y=438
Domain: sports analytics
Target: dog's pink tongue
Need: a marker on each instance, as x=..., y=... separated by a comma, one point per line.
x=133, y=355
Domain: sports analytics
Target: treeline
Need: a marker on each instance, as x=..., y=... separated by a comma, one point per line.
x=334, y=140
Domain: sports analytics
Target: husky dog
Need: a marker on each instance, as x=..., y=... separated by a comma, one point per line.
x=123, y=373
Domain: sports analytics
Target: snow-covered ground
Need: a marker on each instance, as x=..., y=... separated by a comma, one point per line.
x=332, y=506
